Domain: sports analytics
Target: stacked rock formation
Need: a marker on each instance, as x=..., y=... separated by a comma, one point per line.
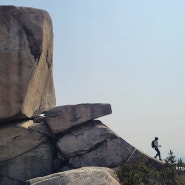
x=37, y=149
x=26, y=86
x=83, y=141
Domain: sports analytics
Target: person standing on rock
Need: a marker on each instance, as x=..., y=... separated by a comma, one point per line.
x=155, y=145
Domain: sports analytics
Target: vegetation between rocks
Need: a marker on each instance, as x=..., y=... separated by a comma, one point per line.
x=172, y=173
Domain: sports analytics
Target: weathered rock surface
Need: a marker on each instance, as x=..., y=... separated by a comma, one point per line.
x=34, y=163
x=63, y=118
x=16, y=139
x=111, y=153
x=41, y=128
x=26, y=152
x=39, y=119
x=94, y=144
x=81, y=176
x=85, y=138
x=26, y=49
x=27, y=149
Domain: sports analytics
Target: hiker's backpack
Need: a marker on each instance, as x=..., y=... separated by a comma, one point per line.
x=153, y=145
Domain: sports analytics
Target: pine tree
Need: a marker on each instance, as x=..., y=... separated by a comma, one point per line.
x=169, y=171
x=170, y=160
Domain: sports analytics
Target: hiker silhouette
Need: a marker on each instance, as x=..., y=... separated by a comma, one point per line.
x=155, y=145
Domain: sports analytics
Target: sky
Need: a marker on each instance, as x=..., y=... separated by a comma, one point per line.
x=126, y=53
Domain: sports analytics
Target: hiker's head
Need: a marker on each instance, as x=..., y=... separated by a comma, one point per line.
x=156, y=138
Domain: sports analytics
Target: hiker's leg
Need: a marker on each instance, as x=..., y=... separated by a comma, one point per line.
x=156, y=149
x=158, y=152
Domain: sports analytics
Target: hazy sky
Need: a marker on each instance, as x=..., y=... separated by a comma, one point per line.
x=126, y=53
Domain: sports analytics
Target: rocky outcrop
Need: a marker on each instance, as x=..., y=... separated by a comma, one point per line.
x=84, y=139
x=34, y=163
x=16, y=139
x=26, y=152
x=65, y=137
x=63, y=118
x=26, y=48
x=94, y=144
x=81, y=176
x=26, y=86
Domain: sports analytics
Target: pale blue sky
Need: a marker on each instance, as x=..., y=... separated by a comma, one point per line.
x=126, y=53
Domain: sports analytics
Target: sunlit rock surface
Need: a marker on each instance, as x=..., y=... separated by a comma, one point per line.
x=63, y=118
x=26, y=52
x=81, y=176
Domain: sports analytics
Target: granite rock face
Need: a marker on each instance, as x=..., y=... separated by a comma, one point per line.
x=111, y=153
x=81, y=176
x=26, y=152
x=84, y=139
x=63, y=118
x=94, y=144
x=33, y=145
x=16, y=139
x=34, y=163
x=26, y=49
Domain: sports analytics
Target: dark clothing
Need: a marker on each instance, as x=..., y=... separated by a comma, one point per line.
x=155, y=143
x=158, y=153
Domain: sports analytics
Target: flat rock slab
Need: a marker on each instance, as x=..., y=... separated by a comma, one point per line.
x=84, y=139
x=111, y=153
x=63, y=118
x=81, y=176
x=26, y=52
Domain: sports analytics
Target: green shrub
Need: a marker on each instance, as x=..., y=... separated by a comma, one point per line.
x=143, y=174
x=139, y=174
x=129, y=175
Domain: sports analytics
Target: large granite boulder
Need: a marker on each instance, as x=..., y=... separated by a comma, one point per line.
x=26, y=151
x=63, y=118
x=84, y=139
x=81, y=176
x=94, y=144
x=111, y=153
x=26, y=49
